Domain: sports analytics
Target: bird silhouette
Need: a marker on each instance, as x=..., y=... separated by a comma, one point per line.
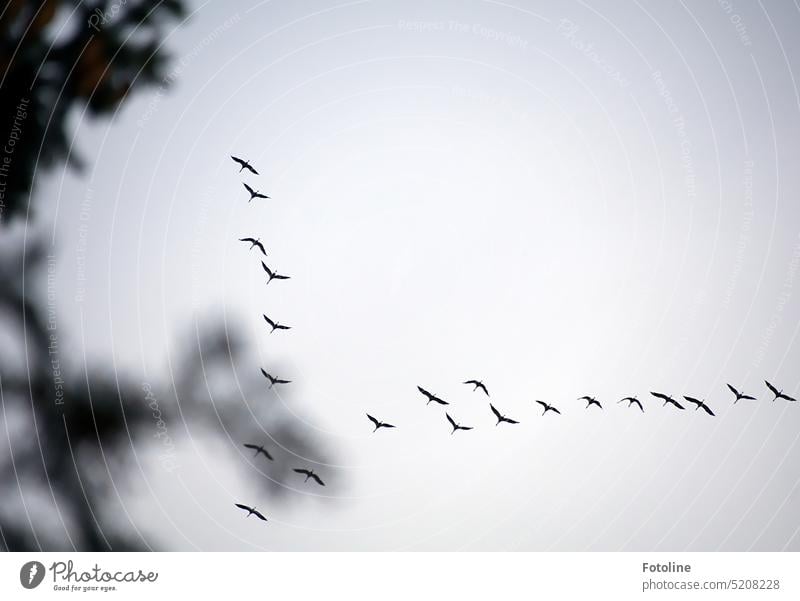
x=378, y=424
x=590, y=401
x=500, y=417
x=255, y=243
x=259, y=449
x=740, y=396
x=251, y=511
x=431, y=397
x=631, y=400
x=477, y=384
x=455, y=425
x=779, y=394
x=699, y=404
x=244, y=165
x=273, y=380
x=667, y=399
x=309, y=474
x=275, y=325
x=273, y=275
x=254, y=193
x=548, y=408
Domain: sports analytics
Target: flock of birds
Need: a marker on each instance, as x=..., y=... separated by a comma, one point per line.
x=274, y=325
x=432, y=398
x=590, y=401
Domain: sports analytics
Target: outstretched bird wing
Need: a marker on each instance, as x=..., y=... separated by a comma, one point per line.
x=278, y=276
x=638, y=403
x=772, y=388
x=510, y=421
x=374, y=421
x=240, y=506
x=259, y=516
x=789, y=398
x=300, y=470
x=452, y=422
x=277, y=381
x=249, y=189
x=497, y=414
x=269, y=321
x=464, y=427
x=425, y=392
x=661, y=396
x=734, y=391
x=545, y=405
x=317, y=479
x=267, y=269
x=706, y=408
x=556, y=410
x=266, y=375
x=693, y=400
x=676, y=403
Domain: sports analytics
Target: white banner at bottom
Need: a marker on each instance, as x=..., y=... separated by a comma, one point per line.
x=383, y=575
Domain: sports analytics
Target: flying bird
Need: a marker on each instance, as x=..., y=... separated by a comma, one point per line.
x=477, y=384
x=273, y=380
x=251, y=511
x=378, y=424
x=631, y=400
x=500, y=417
x=455, y=425
x=548, y=408
x=309, y=474
x=273, y=275
x=275, y=325
x=590, y=401
x=667, y=399
x=254, y=193
x=431, y=397
x=259, y=449
x=255, y=243
x=699, y=404
x=244, y=165
x=740, y=396
x=779, y=393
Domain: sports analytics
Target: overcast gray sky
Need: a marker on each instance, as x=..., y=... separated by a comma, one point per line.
x=559, y=198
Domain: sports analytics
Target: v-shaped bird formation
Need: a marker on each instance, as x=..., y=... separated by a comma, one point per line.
x=477, y=385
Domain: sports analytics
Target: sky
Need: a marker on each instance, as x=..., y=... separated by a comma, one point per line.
x=558, y=198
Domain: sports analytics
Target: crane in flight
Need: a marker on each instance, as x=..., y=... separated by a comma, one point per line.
x=590, y=400
x=378, y=424
x=273, y=380
x=779, y=394
x=740, y=395
x=275, y=325
x=667, y=399
x=455, y=425
x=273, y=275
x=431, y=397
x=631, y=400
x=254, y=193
x=547, y=408
x=254, y=243
x=500, y=417
x=309, y=474
x=259, y=449
x=699, y=405
x=244, y=165
x=251, y=511
x=477, y=384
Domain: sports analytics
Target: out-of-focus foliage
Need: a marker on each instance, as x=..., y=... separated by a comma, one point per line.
x=61, y=55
